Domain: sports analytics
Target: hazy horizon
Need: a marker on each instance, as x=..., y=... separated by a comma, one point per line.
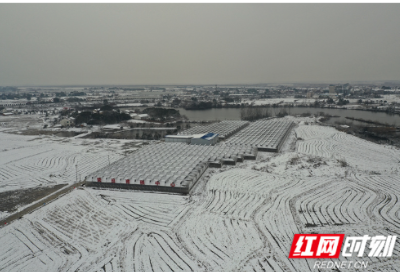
x=197, y=44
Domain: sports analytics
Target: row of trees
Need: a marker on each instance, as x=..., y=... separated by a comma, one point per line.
x=8, y=89
x=199, y=105
x=161, y=112
x=108, y=116
x=341, y=101
x=251, y=114
x=255, y=113
x=11, y=96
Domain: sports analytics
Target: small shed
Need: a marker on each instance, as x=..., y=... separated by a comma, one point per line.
x=205, y=139
x=67, y=122
x=141, y=116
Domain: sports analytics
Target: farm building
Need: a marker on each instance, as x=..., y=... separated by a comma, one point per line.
x=141, y=116
x=169, y=167
x=199, y=139
x=67, y=122
x=206, y=139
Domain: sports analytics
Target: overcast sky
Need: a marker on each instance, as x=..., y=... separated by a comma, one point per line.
x=72, y=44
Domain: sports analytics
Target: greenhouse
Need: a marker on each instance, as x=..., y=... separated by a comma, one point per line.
x=173, y=167
x=265, y=135
x=224, y=129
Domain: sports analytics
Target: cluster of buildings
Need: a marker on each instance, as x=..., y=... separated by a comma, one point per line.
x=185, y=96
x=177, y=164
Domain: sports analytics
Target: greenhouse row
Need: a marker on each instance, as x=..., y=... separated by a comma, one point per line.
x=224, y=129
x=174, y=165
x=265, y=135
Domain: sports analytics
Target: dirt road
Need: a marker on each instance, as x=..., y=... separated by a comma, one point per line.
x=41, y=203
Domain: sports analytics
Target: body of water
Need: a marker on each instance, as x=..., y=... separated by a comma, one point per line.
x=234, y=114
x=220, y=114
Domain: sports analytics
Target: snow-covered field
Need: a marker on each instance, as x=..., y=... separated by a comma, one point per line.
x=363, y=155
x=391, y=98
x=135, y=105
x=238, y=218
x=136, y=121
x=30, y=161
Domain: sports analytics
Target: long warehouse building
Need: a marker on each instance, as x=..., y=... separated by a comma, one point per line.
x=169, y=167
x=266, y=135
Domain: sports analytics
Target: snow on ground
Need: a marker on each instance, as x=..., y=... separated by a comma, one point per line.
x=135, y=105
x=115, y=126
x=238, y=218
x=30, y=161
x=3, y=215
x=330, y=143
x=136, y=121
x=353, y=107
x=21, y=122
x=390, y=98
x=266, y=101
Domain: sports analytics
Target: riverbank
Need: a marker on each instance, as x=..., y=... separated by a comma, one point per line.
x=377, y=133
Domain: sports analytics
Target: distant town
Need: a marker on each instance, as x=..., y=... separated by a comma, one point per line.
x=372, y=97
x=22, y=100
x=152, y=112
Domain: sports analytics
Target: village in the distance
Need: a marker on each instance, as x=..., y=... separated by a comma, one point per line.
x=151, y=112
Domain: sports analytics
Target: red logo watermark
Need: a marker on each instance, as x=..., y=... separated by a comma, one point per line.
x=316, y=246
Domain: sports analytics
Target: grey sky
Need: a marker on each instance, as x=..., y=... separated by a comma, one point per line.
x=68, y=44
